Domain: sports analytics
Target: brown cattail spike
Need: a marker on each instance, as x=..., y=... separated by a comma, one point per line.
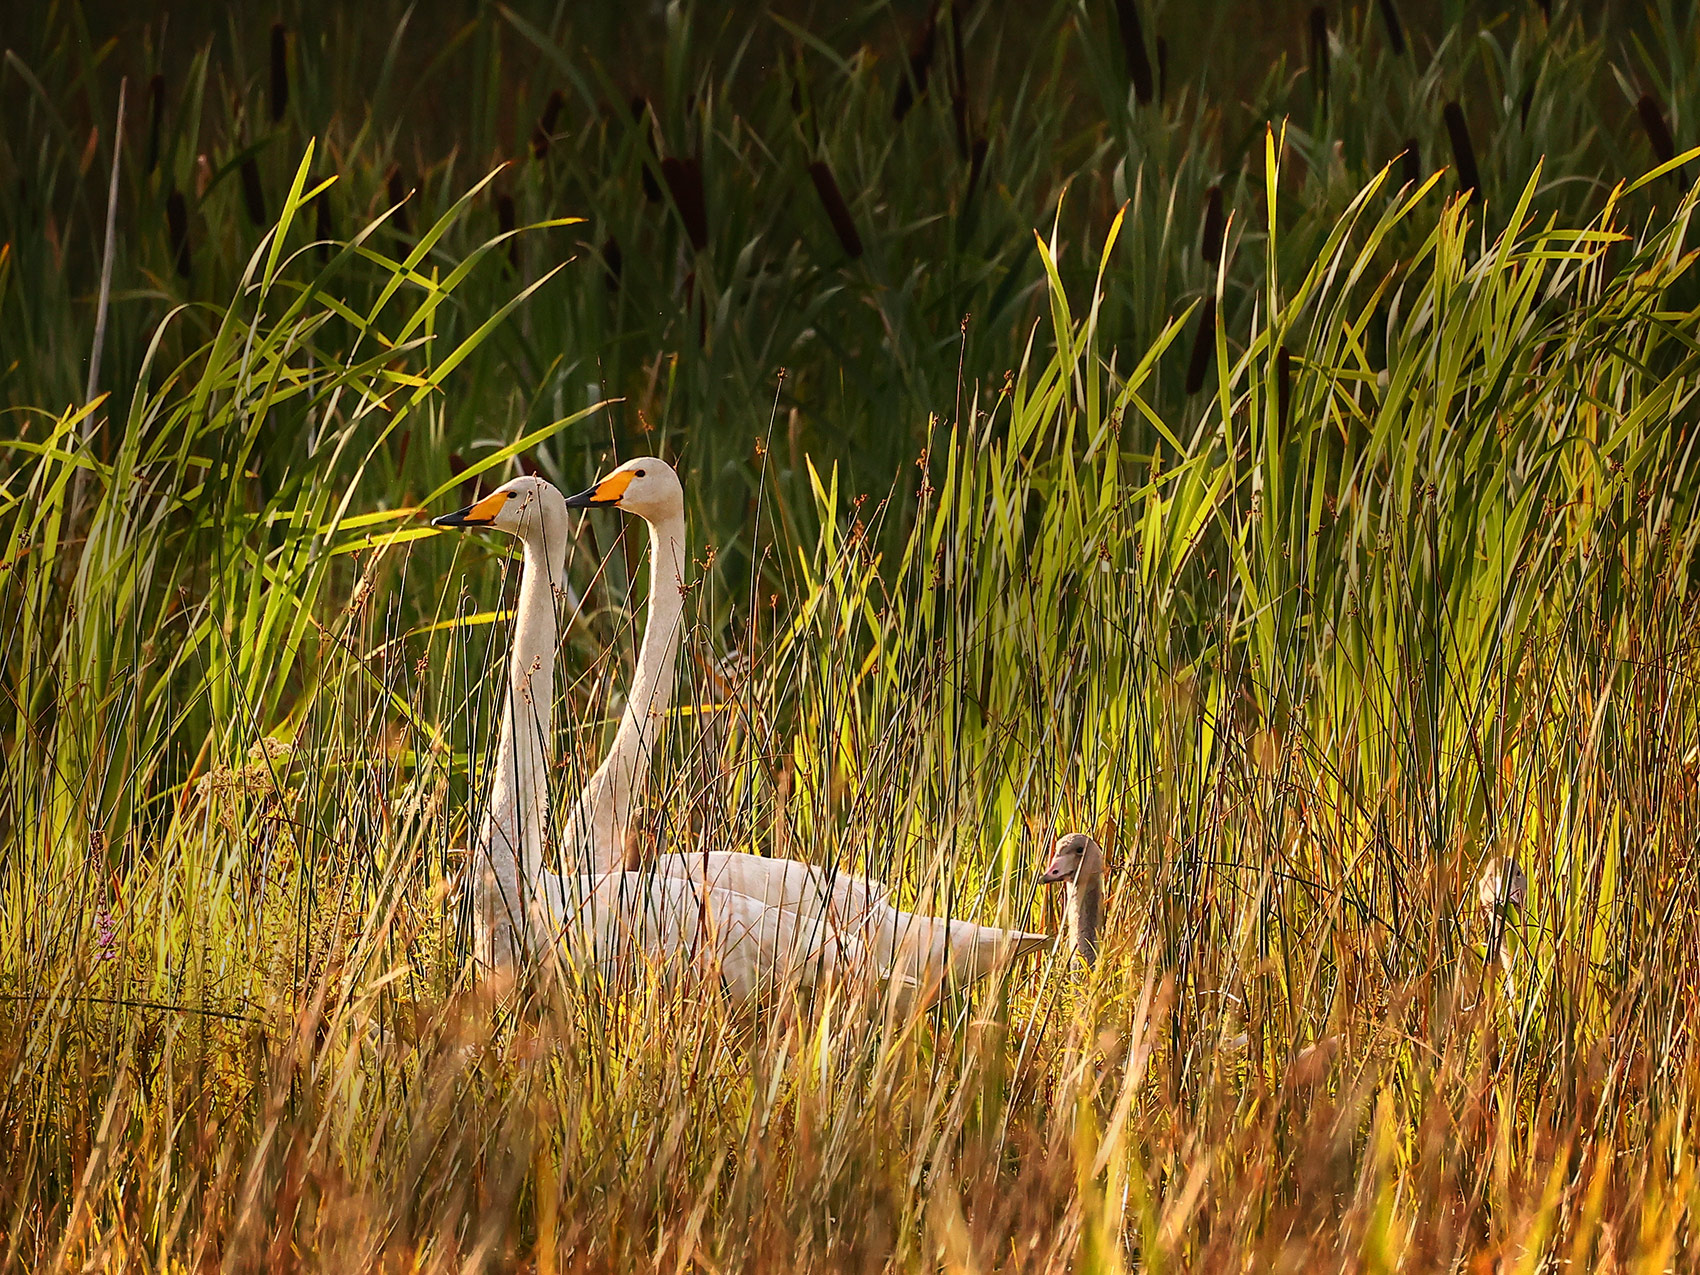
x=612, y=263
x=1463, y=154
x=505, y=223
x=280, y=70
x=1658, y=133
x=976, y=168
x=837, y=211
x=1133, y=49
x=177, y=226
x=1203, y=346
x=398, y=195
x=640, y=116
x=1410, y=164
x=253, y=197
x=914, y=84
x=544, y=132
x=1211, y=240
x=959, y=86
x=322, y=229
x=1395, y=31
x=156, y=118
x=684, y=182
x=1319, y=52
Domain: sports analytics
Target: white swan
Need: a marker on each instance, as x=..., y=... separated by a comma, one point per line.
x=516, y=897
x=513, y=841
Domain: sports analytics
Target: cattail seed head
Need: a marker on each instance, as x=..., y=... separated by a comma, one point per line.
x=1412, y=163
x=1463, y=153
x=1395, y=31
x=612, y=264
x=323, y=230
x=280, y=71
x=1319, y=52
x=914, y=84
x=544, y=132
x=1133, y=50
x=1658, y=133
x=399, y=194
x=976, y=169
x=684, y=182
x=1203, y=346
x=1211, y=239
x=253, y=195
x=177, y=227
x=156, y=119
x=505, y=222
x=837, y=211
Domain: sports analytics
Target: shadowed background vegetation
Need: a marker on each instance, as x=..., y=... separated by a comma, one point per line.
x=1306, y=508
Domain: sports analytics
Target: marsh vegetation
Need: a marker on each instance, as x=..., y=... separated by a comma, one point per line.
x=1073, y=438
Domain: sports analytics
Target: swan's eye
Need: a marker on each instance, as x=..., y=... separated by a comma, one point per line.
x=638, y=474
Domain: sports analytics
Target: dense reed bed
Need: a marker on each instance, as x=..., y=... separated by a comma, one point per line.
x=1402, y=587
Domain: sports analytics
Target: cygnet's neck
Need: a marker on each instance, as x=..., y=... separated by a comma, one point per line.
x=1086, y=908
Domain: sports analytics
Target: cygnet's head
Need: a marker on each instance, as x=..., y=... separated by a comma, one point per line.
x=524, y=507
x=644, y=485
x=1075, y=857
x=1503, y=882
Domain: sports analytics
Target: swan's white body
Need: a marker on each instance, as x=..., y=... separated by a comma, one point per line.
x=783, y=883
x=609, y=921
x=910, y=946
x=760, y=919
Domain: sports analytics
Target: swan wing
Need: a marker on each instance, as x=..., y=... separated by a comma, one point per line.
x=617, y=916
x=782, y=883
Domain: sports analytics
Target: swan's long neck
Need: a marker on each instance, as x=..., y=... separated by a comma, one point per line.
x=516, y=822
x=1086, y=912
x=604, y=811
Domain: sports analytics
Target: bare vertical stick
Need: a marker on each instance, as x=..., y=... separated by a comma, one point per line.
x=106, y=258
x=105, y=295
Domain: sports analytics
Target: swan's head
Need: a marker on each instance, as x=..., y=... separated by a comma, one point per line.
x=645, y=486
x=1076, y=856
x=525, y=507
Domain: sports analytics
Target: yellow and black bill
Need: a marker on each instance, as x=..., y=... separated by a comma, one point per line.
x=480, y=513
x=605, y=493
